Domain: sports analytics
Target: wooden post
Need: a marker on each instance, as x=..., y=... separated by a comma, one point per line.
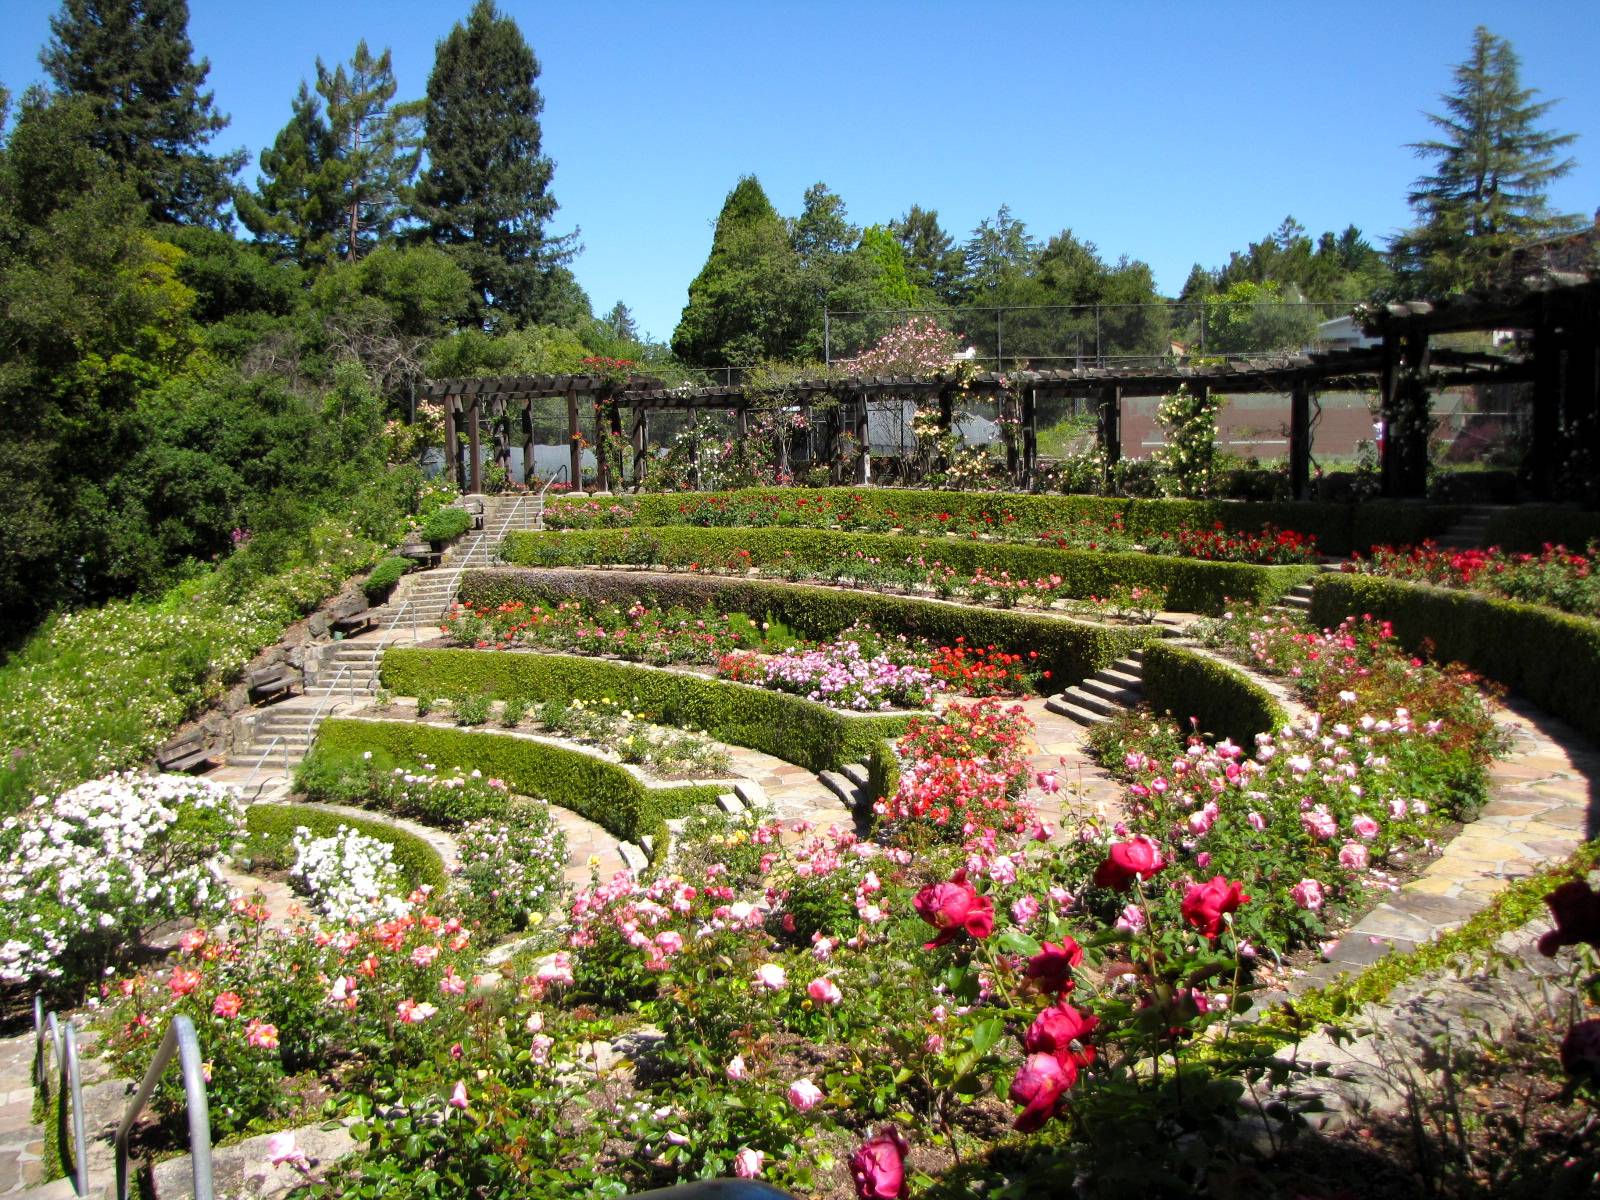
x=529, y=473
x=1030, y=437
x=574, y=444
x=614, y=418
x=602, y=463
x=1545, y=453
x=475, y=445
x=1111, y=424
x=1388, y=397
x=1583, y=388
x=452, y=447
x=1004, y=402
x=1300, y=440
x=500, y=430
x=863, y=435
x=1416, y=418
x=639, y=447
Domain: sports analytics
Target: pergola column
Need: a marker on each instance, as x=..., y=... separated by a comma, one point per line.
x=1406, y=415
x=602, y=465
x=500, y=430
x=574, y=440
x=1030, y=436
x=452, y=447
x=638, y=437
x=863, y=433
x=529, y=474
x=1545, y=453
x=475, y=446
x=1300, y=440
x=1110, y=431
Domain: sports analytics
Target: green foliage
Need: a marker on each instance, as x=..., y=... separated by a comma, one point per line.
x=484, y=197
x=892, y=282
x=1492, y=168
x=602, y=791
x=445, y=524
x=1549, y=657
x=1528, y=528
x=1189, y=457
x=1069, y=650
x=272, y=827
x=133, y=62
x=380, y=582
x=1257, y=317
x=1190, y=585
x=788, y=727
x=1223, y=701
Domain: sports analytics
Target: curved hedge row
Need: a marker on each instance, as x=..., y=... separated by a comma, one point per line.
x=1528, y=528
x=275, y=824
x=1069, y=650
x=1550, y=657
x=792, y=728
x=1227, y=702
x=1192, y=585
x=605, y=792
x=1339, y=527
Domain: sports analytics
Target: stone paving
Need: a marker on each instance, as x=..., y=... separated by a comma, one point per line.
x=21, y=1146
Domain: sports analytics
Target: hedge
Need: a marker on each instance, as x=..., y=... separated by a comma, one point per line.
x=1526, y=529
x=1338, y=527
x=275, y=824
x=605, y=792
x=1069, y=650
x=1228, y=703
x=1192, y=585
x=1552, y=658
x=792, y=728
x=442, y=524
x=384, y=576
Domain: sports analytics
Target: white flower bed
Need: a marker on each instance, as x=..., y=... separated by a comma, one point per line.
x=87, y=873
x=348, y=875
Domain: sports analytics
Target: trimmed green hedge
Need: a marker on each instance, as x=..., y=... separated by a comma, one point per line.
x=1069, y=650
x=1228, y=703
x=1551, y=658
x=1527, y=528
x=792, y=728
x=605, y=792
x=1339, y=527
x=273, y=826
x=442, y=524
x=384, y=576
x=1192, y=585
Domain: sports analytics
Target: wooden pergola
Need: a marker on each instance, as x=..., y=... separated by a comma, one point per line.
x=1402, y=376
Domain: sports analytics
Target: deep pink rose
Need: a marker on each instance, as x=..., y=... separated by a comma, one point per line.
x=1204, y=904
x=1051, y=968
x=1307, y=894
x=1056, y=1029
x=1040, y=1085
x=1137, y=858
x=1575, y=908
x=879, y=1166
x=953, y=907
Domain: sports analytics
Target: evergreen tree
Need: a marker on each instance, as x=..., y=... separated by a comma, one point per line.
x=296, y=208
x=485, y=194
x=1486, y=193
x=933, y=262
x=748, y=302
x=891, y=277
x=377, y=146
x=132, y=60
x=620, y=324
x=998, y=253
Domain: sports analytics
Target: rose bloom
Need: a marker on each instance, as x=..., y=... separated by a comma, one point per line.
x=1364, y=827
x=1205, y=904
x=736, y=1070
x=772, y=977
x=824, y=991
x=1051, y=968
x=458, y=1098
x=952, y=907
x=1040, y=1085
x=1137, y=858
x=1056, y=1029
x=183, y=981
x=261, y=1035
x=879, y=1166
x=226, y=1005
x=1354, y=856
x=747, y=1163
x=804, y=1094
x=1307, y=894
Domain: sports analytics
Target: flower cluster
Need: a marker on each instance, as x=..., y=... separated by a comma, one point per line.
x=348, y=875
x=511, y=867
x=963, y=771
x=1556, y=576
x=840, y=675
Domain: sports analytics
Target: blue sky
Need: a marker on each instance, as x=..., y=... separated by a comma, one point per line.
x=1165, y=131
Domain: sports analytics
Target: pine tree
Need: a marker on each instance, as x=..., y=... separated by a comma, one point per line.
x=485, y=194
x=377, y=146
x=619, y=323
x=933, y=261
x=296, y=208
x=1486, y=193
x=133, y=61
x=748, y=302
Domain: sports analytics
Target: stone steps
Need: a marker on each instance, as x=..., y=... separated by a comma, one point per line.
x=1102, y=695
x=1297, y=599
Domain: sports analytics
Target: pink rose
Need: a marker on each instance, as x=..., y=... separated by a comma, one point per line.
x=804, y=1094
x=954, y=907
x=736, y=1069
x=1256, y=821
x=747, y=1163
x=226, y=1005
x=879, y=1166
x=772, y=977
x=1040, y=1085
x=824, y=990
x=1365, y=827
x=458, y=1098
x=1138, y=858
x=1307, y=894
x=1354, y=856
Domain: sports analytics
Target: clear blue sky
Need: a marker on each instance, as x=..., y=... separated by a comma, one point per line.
x=1168, y=132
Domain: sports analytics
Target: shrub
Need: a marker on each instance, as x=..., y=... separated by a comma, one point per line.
x=272, y=828
x=1226, y=702
x=788, y=727
x=1528, y=528
x=347, y=874
x=1066, y=650
x=445, y=524
x=1190, y=586
x=472, y=710
x=384, y=576
x=602, y=791
x=511, y=867
x=87, y=873
x=372, y=780
x=1551, y=658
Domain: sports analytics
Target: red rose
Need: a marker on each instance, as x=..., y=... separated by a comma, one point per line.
x=1580, y=1051
x=1056, y=1029
x=1052, y=967
x=1575, y=908
x=952, y=907
x=879, y=1166
x=1138, y=858
x=1205, y=903
x=1040, y=1085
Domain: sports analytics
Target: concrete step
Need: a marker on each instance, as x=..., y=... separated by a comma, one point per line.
x=1112, y=693
x=841, y=787
x=1084, y=698
x=856, y=773
x=1303, y=603
x=1118, y=677
x=1063, y=706
x=1129, y=666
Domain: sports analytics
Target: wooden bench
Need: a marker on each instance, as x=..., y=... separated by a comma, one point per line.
x=352, y=623
x=474, y=509
x=271, y=683
x=187, y=752
x=421, y=553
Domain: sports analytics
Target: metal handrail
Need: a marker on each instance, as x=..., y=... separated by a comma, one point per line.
x=179, y=1039
x=264, y=757
x=65, y=1041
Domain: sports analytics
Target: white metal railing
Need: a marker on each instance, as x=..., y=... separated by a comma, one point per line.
x=49, y=1030
x=180, y=1039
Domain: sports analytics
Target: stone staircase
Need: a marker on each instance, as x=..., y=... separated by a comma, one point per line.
x=1092, y=702
x=1296, y=600
x=849, y=783
x=1468, y=533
